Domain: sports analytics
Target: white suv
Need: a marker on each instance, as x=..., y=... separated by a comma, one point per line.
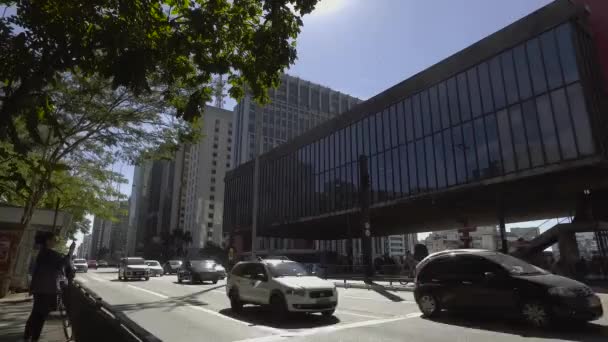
x=283, y=284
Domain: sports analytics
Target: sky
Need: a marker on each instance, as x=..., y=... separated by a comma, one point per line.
x=362, y=47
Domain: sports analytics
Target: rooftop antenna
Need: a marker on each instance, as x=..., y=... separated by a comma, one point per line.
x=219, y=85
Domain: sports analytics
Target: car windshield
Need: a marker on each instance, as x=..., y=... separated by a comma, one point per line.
x=513, y=265
x=135, y=262
x=175, y=262
x=152, y=263
x=287, y=269
x=80, y=261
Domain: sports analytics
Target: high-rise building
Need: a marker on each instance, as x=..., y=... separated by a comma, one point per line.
x=102, y=232
x=85, y=247
x=119, y=230
x=295, y=106
x=201, y=198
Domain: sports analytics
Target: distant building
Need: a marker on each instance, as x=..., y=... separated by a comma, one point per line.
x=101, y=234
x=483, y=237
x=85, y=247
x=119, y=231
x=587, y=245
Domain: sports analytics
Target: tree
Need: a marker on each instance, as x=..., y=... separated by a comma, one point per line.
x=137, y=43
x=212, y=250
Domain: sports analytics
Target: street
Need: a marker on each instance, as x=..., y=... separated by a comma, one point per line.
x=184, y=312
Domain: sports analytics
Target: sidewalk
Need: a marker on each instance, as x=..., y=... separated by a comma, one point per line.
x=14, y=311
x=379, y=285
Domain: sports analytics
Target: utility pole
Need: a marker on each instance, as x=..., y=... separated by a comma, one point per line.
x=364, y=198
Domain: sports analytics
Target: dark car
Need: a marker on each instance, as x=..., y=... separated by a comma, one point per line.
x=102, y=263
x=172, y=266
x=485, y=281
x=199, y=271
x=92, y=264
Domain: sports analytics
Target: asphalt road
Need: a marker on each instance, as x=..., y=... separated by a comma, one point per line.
x=184, y=312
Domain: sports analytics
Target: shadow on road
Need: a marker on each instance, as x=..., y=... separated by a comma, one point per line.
x=257, y=315
x=169, y=303
x=384, y=292
x=583, y=332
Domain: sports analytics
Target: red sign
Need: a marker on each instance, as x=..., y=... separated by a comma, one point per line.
x=8, y=244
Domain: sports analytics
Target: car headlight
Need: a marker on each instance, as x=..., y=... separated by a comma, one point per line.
x=561, y=292
x=296, y=292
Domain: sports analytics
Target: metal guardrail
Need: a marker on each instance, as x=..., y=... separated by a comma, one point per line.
x=94, y=320
x=387, y=273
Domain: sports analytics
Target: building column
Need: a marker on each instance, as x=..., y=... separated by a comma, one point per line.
x=568, y=252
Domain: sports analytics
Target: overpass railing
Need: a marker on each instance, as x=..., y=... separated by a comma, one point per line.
x=95, y=320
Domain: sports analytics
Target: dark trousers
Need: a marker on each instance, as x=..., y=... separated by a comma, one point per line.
x=43, y=304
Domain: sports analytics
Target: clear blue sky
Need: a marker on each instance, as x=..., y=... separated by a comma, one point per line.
x=362, y=47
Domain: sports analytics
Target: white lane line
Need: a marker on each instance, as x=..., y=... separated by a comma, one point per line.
x=211, y=312
x=330, y=329
x=350, y=313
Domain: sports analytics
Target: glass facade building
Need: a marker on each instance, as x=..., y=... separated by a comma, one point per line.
x=524, y=108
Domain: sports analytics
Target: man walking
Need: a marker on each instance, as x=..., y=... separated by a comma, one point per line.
x=50, y=266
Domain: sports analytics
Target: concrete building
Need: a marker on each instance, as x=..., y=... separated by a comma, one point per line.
x=587, y=245
x=119, y=231
x=85, y=247
x=101, y=235
x=201, y=198
x=484, y=237
x=295, y=106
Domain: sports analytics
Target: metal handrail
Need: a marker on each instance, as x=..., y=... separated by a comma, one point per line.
x=124, y=323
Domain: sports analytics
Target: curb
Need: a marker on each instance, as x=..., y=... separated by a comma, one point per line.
x=373, y=287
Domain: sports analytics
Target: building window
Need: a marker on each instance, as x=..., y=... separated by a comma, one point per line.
x=212, y=188
x=213, y=180
x=217, y=130
x=228, y=165
x=215, y=146
x=212, y=198
x=229, y=148
x=211, y=206
x=210, y=215
x=216, y=138
x=215, y=154
x=214, y=163
x=213, y=171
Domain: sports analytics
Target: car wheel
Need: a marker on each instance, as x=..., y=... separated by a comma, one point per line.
x=214, y=281
x=536, y=314
x=119, y=277
x=147, y=278
x=278, y=305
x=235, y=301
x=179, y=279
x=428, y=305
x=328, y=313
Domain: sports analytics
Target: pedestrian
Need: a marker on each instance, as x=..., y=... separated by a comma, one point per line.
x=49, y=270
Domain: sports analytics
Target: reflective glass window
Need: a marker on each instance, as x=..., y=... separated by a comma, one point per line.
x=463, y=96
x=411, y=157
x=347, y=187
x=400, y=129
x=482, y=148
x=539, y=83
x=339, y=147
x=547, y=128
x=388, y=164
x=381, y=177
x=551, y=59
x=444, y=105
x=448, y=149
x=373, y=146
x=459, y=156
x=360, y=141
x=498, y=88
x=421, y=165
x=332, y=150
x=508, y=70
x=409, y=119
x=383, y=130
x=519, y=138
x=470, y=151
x=396, y=173
x=453, y=97
x=435, y=111
x=374, y=179
x=430, y=163
x=535, y=144
x=495, y=167
x=439, y=160
x=393, y=125
x=404, y=171
x=321, y=154
x=563, y=123
x=426, y=112
x=580, y=117
x=485, y=87
x=348, y=143
x=474, y=91
x=506, y=141
x=523, y=74
x=417, y=115
x=567, y=52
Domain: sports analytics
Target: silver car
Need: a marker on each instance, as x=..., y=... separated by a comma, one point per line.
x=155, y=268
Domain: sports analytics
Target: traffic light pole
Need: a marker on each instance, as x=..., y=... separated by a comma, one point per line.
x=364, y=199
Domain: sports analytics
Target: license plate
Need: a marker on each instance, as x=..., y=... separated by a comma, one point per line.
x=322, y=300
x=593, y=301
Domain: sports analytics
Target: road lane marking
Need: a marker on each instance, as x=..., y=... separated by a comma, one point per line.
x=330, y=329
x=211, y=312
x=350, y=313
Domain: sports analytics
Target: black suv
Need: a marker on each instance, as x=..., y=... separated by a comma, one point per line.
x=482, y=281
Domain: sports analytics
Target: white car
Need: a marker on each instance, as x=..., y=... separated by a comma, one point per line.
x=155, y=268
x=284, y=285
x=133, y=268
x=80, y=265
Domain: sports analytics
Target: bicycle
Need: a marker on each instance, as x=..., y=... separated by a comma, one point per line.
x=63, y=313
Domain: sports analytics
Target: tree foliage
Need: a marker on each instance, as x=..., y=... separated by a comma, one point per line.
x=138, y=43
